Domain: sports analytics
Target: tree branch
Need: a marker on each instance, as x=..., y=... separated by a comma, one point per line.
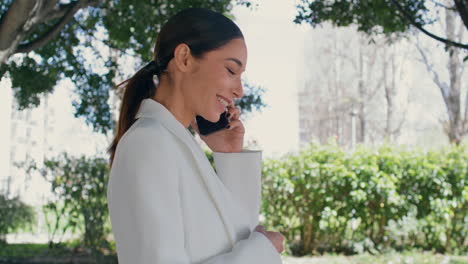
x=44, y=7
x=465, y=118
x=437, y=3
x=462, y=8
x=103, y=41
x=54, y=11
x=444, y=88
x=401, y=123
x=411, y=20
x=377, y=88
x=14, y=20
x=72, y=8
x=42, y=40
x=60, y=10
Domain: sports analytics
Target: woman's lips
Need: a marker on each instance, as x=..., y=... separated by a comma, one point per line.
x=222, y=108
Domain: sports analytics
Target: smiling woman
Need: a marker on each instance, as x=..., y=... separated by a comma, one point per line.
x=166, y=202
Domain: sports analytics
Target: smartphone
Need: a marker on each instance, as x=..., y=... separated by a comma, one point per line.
x=207, y=127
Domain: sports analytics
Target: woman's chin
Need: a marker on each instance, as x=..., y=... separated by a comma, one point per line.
x=214, y=119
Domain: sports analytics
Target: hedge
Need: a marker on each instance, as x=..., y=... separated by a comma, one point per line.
x=326, y=199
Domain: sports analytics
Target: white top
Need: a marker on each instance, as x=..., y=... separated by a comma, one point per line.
x=168, y=206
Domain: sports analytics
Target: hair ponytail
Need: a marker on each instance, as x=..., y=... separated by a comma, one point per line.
x=137, y=88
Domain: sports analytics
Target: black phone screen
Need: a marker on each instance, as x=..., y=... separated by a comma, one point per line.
x=207, y=127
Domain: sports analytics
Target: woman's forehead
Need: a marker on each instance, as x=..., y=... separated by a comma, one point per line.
x=234, y=51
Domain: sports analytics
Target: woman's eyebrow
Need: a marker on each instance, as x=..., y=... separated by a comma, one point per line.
x=236, y=61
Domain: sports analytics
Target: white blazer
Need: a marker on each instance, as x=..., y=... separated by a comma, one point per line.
x=168, y=206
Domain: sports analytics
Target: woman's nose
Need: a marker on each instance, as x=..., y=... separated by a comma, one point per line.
x=238, y=90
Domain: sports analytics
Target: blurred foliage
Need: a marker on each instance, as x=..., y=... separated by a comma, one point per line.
x=412, y=256
x=325, y=199
x=24, y=250
x=322, y=199
x=56, y=221
x=14, y=216
x=80, y=186
x=87, y=50
x=40, y=252
x=371, y=17
x=392, y=18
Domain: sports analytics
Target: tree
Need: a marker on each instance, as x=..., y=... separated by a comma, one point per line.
x=396, y=17
x=456, y=127
x=350, y=83
x=79, y=186
x=16, y=215
x=380, y=16
x=42, y=42
x=326, y=98
x=390, y=72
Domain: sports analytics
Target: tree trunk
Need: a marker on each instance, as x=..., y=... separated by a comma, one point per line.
x=363, y=96
x=308, y=234
x=455, y=126
x=14, y=24
x=390, y=99
x=453, y=101
x=23, y=16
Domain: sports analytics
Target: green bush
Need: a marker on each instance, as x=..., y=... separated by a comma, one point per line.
x=14, y=216
x=325, y=199
x=80, y=184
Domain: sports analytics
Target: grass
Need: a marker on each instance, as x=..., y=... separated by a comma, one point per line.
x=409, y=257
x=23, y=251
x=32, y=250
x=42, y=254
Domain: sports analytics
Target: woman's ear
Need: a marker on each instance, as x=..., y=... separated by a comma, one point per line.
x=183, y=58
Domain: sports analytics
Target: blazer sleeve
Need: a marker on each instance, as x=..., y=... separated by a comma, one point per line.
x=241, y=173
x=145, y=209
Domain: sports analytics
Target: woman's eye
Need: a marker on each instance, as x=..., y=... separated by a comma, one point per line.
x=230, y=71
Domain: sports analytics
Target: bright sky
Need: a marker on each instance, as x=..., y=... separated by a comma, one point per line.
x=275, y=49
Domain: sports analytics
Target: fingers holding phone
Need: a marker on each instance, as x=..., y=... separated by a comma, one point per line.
x=226, y=135
x=227, y=120
x=234, y=120
x=233, y=113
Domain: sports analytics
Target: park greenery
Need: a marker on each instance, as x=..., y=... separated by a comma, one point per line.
x=397, y=19
x=382, y=16
x=323, y=199
x=43, y=42
x=371, y=199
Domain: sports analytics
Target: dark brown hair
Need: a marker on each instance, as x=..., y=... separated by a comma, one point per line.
x=201, y=29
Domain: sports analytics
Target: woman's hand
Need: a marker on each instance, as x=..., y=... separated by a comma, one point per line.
x=226, y=140
x=276, y=238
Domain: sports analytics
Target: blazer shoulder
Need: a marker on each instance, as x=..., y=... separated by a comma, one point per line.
x=145, y=134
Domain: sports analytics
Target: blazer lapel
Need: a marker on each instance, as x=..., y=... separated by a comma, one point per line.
x=153, y=109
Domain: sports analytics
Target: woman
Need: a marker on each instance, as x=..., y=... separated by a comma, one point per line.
x=166, y=203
